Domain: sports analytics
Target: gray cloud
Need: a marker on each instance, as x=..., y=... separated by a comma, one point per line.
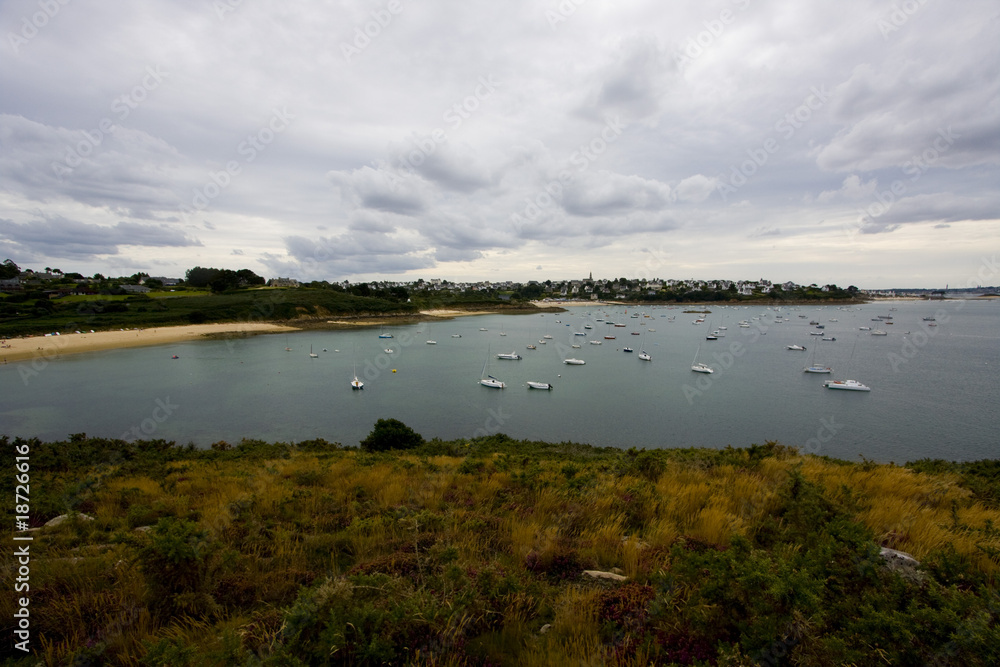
x=375, y=172
x=70, y=239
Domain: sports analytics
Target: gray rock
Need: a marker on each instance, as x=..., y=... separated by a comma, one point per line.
x=62, y=518
x=597, y=574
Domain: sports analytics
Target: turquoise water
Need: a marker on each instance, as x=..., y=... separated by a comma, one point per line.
x=934, y=390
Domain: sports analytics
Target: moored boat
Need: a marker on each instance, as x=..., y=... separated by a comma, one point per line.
x=850, y=385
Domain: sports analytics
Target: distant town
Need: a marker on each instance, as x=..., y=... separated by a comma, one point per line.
x=53, y=283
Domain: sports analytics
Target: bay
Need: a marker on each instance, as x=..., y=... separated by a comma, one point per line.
x=934, y=388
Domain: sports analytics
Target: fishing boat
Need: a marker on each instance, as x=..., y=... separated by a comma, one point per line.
x=531, y=347
x=627, y=349
x=512, y=356
x=539, y=385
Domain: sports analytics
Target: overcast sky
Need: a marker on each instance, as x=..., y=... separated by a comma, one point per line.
x=854, y=142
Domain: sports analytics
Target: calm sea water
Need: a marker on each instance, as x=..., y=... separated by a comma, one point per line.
x=934, y=389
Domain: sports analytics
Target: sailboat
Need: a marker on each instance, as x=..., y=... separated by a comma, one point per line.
x=850, y=385
x=382, y=334
x=813, y=367
x=287, y=349
x=699, y=367
x=643, y=355
x=488, y=380
x=311, y=353
x=356, y=383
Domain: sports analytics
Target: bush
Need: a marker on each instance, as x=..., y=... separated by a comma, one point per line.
x=391, y=434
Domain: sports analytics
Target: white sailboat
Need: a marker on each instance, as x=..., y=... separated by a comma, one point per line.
x=356, y=383
x=699, y=367
x=539, y=385
x=813, y=367
x=643, y=355
x=849, y=385
x=488, y=380
x=311, y=353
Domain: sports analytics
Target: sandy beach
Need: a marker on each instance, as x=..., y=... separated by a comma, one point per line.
x=49, y=347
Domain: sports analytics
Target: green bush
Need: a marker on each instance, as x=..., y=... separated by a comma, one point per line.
x=391, y=434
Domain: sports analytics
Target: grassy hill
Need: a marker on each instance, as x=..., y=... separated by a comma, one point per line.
x=166, y=308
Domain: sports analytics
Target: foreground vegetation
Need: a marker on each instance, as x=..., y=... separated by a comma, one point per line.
x=473, y=552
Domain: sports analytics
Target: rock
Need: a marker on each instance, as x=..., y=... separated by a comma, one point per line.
x=143, y=529
x=545, y=629
x=903, y=564
x=597, y=574
x=62, y=518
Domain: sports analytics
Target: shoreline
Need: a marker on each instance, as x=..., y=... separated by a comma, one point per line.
x=53, y=346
